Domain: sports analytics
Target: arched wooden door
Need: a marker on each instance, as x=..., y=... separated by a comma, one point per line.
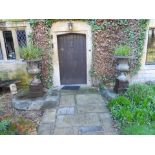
x=72, y=58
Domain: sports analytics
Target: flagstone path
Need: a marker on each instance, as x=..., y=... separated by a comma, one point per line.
x=78, y=113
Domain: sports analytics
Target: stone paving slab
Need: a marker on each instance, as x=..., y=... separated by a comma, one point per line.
x=105, y=117
x=77, y=120
x=67, y=100
x=66, y=111
x=93, y=133
x=93, y=108
x=44, y=129
x=83, y=99
x=66, y=92
x=63, y=131
x=78, y=114
x=89, y=129
x=49, y=116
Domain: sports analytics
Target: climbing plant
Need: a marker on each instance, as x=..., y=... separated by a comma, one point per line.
x=40, y=36
x=107, y=34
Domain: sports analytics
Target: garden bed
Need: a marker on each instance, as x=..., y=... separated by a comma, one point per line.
x=135, y=110
x=20, y=121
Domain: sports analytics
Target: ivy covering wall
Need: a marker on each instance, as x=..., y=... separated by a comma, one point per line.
x=41, y=37
x=107, y=34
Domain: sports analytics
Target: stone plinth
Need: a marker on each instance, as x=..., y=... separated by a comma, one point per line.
x=49, y=100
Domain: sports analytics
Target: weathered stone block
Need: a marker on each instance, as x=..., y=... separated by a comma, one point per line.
x=91, y=108
x=49, y=116
x=66, y=111
x=67, y=100
x=44, y=129
x=89, y=129
x=64, y=131
x=83, y=99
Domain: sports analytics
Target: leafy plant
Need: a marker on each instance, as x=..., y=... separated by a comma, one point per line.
x=30, y=52
x=137, y=106
x=23, y=77
x=122, y=50
x=139, y=130
x=5, y=127
x=139, y=93
x=20, y=126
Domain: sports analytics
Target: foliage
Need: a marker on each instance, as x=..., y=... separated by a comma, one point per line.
x=30, y=52
x=41, y=37
x=139, y=130
x=23, y=77
x=122, y=50
x=137, y=106
x=139, y=92
x=136, y=37
x=19, y=127
x=4, y=125
x=107, y=35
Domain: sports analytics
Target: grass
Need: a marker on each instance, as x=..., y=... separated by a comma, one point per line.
x=139, y=130
x=122, y=50
x=135, y=110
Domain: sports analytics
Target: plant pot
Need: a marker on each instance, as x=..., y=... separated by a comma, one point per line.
x=122, y=66
x=35, y=86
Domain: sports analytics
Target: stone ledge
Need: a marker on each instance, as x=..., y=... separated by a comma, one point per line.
x=108, y=94
x=49, y=100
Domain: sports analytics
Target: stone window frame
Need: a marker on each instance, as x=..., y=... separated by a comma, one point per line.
x=13, y=26
x=144, y=65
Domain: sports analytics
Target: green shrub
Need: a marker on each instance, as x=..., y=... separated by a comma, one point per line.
x=122, y=50
x=119, y=101
x=136, y=106
x=5, y=127
x=30, y=52
x=120, y=109
x=23, y=77
x=139, y=130
x=21, y=126
x=138, y=93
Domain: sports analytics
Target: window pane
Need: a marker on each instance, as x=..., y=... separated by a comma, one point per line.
x=1, y=54
x=150, y=58
x=10, y=51
x=21, y=37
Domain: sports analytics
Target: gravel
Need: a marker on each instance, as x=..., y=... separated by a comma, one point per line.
x=7, y=109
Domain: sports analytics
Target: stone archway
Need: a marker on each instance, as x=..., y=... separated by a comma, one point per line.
x=79, y=27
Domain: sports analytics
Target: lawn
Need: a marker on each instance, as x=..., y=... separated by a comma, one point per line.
x=135, y=110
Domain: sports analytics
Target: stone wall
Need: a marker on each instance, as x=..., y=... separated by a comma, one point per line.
x=105, y=41
x=8, y=69
x=41, y=38
x=144, y=75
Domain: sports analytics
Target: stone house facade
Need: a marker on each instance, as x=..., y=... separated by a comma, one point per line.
x=68, y=38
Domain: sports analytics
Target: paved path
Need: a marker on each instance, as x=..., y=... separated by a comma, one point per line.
x=78, y=114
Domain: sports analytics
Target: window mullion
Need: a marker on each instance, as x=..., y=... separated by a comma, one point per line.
x=3, y=45
x=15, y=41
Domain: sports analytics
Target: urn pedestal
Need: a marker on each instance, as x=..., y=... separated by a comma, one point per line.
x=35, y=86
x=122, y=67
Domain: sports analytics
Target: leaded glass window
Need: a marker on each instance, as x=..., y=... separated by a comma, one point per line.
x=1, y=54
x=9, y=45
x=150, y=57
x=21, y=37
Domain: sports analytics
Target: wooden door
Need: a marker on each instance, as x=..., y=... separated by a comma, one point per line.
x=72, y=58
